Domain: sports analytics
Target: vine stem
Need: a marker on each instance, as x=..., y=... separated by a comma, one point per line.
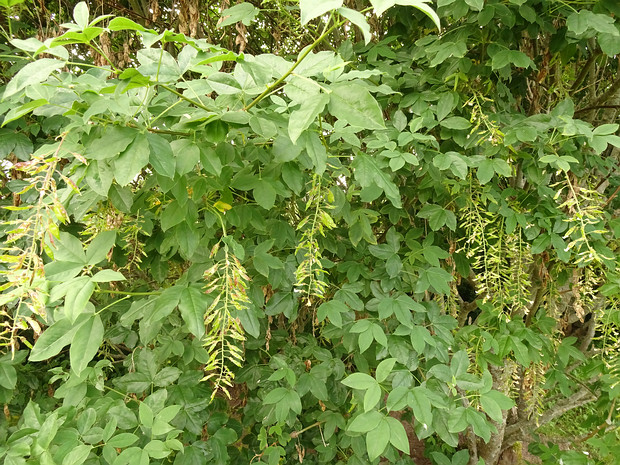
x=127, y=293
x=187, y=99
x=301, y=58
x=112, y=304
x=294, y=434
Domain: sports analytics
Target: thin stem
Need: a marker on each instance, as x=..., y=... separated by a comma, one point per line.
x=150, y=124
x=127, y=293
x=100, y=52
x=276, y=84
x=16, y=57
x=187, y=99
x=8, y=20
x=294, y=434
x=88, y=65
x=112, y=304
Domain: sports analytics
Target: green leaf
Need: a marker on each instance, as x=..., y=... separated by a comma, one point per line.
x=397, y=398
x=420, y=404
x=48, y=430
x=242, y=12
x=85, y=343
x=157, y=449
x=501, y=399
x=99, y=247
x=432, y=254
x=129, y=164
x=80, y=14
x=264, y=261
x=285, y=400
x=365, y=339
x=353, y=104
x=187, y=155
x=368, y=173
x=161, y=156
x=249, y=320
x=480, y=426
x=77, y=297
x=491, y=408
x=447, y=102
x=384, y=369
x=440, y=458
x=398, y=435
x=8, y=376
x=78, y=455
x=113, y=141
x=284, y=150
x=124, y=24
x=16, y=113
x=210, y=160
x=62, y=271
x=485, y=171
x=106, y=276
x=53, y=340
x=380, y=6
x=378, y=439
x=520, y=350
x=424, y=8
x=459, y=363
x=528, y=13
x=359, y=381
x=299, y=90
x=168, y=413
x=502, y=167
x=188, y=239
x=455, y=122
x=146, y=414
x=365, y=422
x=311, y=9
x=193, y=305
x=359, y=20
x=379, y=335
x=33, y=73
x=438, y=217
x=372, y=397
x=122, y=440
x=316, y=151
x=439, y=279
x=610, y=45
x=69, y=249
x=332, y=309
x=265, y=194
x=132, y=456
x=166, y=376
x=475, y=5
x=158, y=64
x=224, y=84
x=172, y=215
x=275, y=396
x=303, y=117
x=511, y=57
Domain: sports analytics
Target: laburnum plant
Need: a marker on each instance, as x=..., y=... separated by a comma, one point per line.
x=318, y=232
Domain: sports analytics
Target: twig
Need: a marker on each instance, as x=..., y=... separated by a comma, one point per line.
x=595, y=107
x=294, y=434
x=187, y=99
x=275, y=85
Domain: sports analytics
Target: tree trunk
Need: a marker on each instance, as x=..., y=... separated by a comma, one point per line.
x=502, y=379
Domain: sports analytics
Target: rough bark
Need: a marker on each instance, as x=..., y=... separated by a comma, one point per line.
x=521, y=430
x=502, y=379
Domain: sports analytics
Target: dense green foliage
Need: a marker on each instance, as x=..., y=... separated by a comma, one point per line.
x=375, y=234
